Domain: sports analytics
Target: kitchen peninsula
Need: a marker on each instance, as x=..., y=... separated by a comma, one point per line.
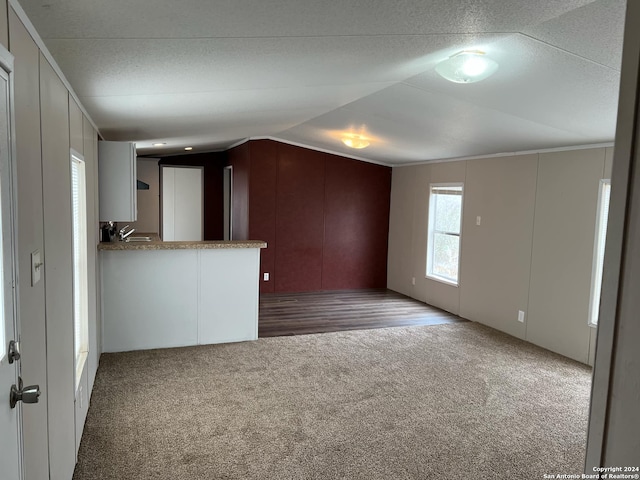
x=171, y=294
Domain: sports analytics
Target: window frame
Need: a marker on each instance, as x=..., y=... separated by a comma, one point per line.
x=602, y=218
x=431, y=232
x=80, y=271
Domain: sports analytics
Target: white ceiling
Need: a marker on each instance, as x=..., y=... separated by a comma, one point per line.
x=209, y=74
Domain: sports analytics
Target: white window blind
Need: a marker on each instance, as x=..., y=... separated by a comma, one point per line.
x=598, y=255
x=443, y=240
x=80, y=282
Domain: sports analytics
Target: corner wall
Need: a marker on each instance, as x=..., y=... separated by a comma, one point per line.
x=532, y=251
x=324, y=217
x=148, y=221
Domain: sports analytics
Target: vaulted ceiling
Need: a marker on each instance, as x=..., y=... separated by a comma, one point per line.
x=210, y=73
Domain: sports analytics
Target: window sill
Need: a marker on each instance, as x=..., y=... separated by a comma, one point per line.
x=451, y=283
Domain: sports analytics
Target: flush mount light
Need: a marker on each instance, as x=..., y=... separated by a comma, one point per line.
x=355, y=140
x=158, y=144
x=468, y=66
x=188, y=148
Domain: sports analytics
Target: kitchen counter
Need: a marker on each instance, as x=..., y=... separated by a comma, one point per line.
x=157, y=244
x=172, y=294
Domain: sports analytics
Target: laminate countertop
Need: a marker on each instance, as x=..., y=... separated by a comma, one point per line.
x=157, y=244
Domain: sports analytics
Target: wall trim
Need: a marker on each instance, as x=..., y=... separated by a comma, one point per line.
x=22, y=15
x=508, y=154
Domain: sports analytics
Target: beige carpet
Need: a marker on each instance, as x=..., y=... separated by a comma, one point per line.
x=444, y=402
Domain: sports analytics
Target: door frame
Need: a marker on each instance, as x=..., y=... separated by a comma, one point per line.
x=7, y=64
x=613, y=411
x=227, y=189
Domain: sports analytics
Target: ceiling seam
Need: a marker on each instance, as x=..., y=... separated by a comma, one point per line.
x=568, y=52
x=266, y=37
x=492, y=109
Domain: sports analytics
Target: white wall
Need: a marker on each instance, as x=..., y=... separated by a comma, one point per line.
x=58, y=279
x=30, y=239
x=148, y=200
x=496, y=255
x=48, y=123
x=522, y=256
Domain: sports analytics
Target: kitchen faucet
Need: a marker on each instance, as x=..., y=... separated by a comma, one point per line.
x=124, y=235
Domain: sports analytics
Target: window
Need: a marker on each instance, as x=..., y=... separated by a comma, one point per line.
x=80, y=281
x=443, y=242
x=598, y=251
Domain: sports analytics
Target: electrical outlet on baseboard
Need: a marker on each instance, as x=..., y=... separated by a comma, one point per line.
x=520, y=316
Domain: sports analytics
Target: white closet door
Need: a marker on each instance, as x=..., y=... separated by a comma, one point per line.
x=182, y=204
x=168, y=209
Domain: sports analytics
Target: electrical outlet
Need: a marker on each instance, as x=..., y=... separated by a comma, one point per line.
x=413, y=281
x=265, y=277
x=478, y=220
x=520, y=316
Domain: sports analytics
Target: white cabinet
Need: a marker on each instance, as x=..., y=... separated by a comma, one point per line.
x=117, y=181
x=175, y=298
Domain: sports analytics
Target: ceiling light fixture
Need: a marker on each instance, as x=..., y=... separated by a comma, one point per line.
x=188, y=148
x=158, y=144
x=355, y=140
x=467, y=66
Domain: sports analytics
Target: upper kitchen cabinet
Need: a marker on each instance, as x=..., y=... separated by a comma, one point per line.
x=117, y=181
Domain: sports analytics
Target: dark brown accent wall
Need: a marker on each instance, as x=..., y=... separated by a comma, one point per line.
x=239, y=159
x=325, y=218
x=299, y=220
x=356, y=224
x=213, y=164
x=262, y=205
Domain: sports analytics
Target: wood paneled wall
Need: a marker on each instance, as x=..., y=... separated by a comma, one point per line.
x=324, y=217
x=240, y=159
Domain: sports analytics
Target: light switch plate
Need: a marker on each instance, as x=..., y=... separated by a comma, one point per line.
x=520, y=316
x=36, y=267
x=265, y=277
x=478, y=220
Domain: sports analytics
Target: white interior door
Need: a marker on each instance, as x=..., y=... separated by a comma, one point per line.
x=10, y=418
x=182, y=204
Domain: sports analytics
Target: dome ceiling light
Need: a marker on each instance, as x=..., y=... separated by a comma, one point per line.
x=467, y=66
x=355, y=140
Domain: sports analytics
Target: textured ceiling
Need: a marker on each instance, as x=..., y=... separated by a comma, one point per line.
x=209, y=74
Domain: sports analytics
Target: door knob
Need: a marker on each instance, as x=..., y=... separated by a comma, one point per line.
x=28, y=394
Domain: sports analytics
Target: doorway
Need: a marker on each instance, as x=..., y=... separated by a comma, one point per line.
x=227, y=192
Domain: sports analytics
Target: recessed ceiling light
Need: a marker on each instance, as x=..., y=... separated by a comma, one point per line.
x=188, y=148
x=467, y=66
x=355, y=140
x=158, y=144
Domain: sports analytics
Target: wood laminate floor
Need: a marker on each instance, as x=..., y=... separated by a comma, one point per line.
x=319, y=312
